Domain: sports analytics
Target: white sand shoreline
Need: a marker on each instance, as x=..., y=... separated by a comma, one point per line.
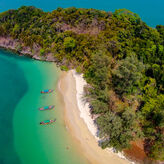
x=84, y=106
x=85, y=110
x=77, y=116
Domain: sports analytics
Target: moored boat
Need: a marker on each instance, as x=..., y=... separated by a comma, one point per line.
x=47, y=91
x=47, y=107
x=47, y=122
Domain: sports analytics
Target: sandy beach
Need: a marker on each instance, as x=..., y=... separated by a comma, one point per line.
x=79, y=122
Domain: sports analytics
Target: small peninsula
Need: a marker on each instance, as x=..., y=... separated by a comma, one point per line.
x=122, y=61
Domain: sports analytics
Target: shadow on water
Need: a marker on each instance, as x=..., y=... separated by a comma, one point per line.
x=13, y=86
x=14, y=56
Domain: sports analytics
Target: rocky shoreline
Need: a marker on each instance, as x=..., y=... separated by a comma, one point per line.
x=17, y=46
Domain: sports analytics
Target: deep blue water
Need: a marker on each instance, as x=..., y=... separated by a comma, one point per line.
x=151, y=11
x=13, y=86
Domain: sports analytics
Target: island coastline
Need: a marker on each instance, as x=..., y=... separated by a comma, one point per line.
x=104, y=54
x=84, y=133
x=86, y=121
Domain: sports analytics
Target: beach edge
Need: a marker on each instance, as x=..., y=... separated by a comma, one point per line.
x=80, y=123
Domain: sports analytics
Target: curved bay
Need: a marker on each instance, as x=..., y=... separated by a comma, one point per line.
x=22, y=139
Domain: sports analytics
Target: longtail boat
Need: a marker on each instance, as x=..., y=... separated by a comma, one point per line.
x=47, y=107
x=47, y=122
x=47, y=91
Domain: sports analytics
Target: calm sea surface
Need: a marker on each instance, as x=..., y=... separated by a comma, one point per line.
x=22, y=139
x=151, y=11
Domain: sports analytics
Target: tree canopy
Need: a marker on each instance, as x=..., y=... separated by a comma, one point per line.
x=122, y=60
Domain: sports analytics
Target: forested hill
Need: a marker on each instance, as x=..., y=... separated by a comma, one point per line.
x=122, y=60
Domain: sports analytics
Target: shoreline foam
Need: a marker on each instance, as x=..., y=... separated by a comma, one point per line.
x=84, y=106
x=71, y=87
x=85, y=110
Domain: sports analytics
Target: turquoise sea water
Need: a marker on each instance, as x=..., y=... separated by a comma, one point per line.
x=22, y=139
x=9, y=97
x=151, y=11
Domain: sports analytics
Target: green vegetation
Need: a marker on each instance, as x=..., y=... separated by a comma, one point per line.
x=119, y=129
x=64, y=68
x=69, y=43
x=42, y=51
x=122, y=60
x=127, y=76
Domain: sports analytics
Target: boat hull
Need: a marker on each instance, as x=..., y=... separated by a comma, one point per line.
x=47, y=91
x=47, y=108
x=46, y=123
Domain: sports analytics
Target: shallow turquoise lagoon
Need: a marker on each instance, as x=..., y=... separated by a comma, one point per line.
x=22, y=139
